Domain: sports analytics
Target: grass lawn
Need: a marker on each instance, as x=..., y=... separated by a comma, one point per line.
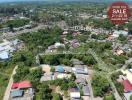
x=4, y=79
x=3, y=84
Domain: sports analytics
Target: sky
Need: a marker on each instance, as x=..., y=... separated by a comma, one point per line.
x=53, y=0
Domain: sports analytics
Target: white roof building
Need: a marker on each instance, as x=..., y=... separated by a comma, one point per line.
x=128, y=74
x=75, y=93
x=116, y=33
x=4, y=55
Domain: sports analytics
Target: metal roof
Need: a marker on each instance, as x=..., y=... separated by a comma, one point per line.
x=4, y=55
x=16, y=93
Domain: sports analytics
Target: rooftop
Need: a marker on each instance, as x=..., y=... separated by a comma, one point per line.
x=127, y=86
x=20, y=85
x=16, y=93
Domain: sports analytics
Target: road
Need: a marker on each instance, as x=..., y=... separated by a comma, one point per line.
x=127, y=62
x=8, y=89
x=106, y=70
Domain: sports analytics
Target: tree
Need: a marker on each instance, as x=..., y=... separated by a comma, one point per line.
x=122, y=37
x=21, y=73
x=71, y=84
x=100, y=85
x=44, y=92
x=64, y=86
x=131, y=97
x=52, y=69
x=73, y=77
x=56, y=96
x=109, y=97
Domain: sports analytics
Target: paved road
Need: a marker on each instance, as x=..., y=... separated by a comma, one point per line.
x=8, y=89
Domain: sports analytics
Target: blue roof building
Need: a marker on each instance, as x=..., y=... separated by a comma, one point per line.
x=17, y=93
x=60, y=69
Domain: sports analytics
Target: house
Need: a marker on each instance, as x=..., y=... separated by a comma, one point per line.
x=126, y=48
x=128, y=74
x=80, y=69
x=59, y=69
x=118, y=52
x=127, y=86
x=86, y=90
x=4, y=55
x=67, y=69
x=57, y=45
x=21, y=91
x=127, y=96
x=8, y=47
x=47, y=77
x=65, y=33
x=28, y=26
x=17, y=93
x=74, y=43
x=80, y=81
x=21, y=85
x=76, y=33
x=77, y=62
x=116, y=33
x=63, y=76
x=74, y=93
x=5, y=30
x=53, y=48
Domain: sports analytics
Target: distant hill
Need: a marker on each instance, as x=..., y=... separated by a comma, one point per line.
x=94, y=1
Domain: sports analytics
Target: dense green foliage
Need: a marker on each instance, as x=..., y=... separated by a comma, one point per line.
x=39, y=41
x=24, y=58
x=131, y=97
x=17, y=23
x=100, y=85
x=118, y=85
x=44, y=92
x=24, y=73
x=57, y=96
x=66, y=59
x=100, y=47
x=104, y=23
x=109, y=97
x=122, y=38
x=99, y=36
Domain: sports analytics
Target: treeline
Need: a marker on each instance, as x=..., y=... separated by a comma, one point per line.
x=100, y=47
x=17, y=23
x=104, y=23
x=65, y=59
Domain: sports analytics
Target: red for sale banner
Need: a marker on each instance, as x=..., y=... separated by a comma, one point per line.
x=119, y=13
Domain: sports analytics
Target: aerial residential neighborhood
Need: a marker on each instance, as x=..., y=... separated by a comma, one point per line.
x=65, y=50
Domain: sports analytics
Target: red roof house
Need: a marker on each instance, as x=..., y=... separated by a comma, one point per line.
x=127, y=86
x=15, y=85
x=22, y=85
